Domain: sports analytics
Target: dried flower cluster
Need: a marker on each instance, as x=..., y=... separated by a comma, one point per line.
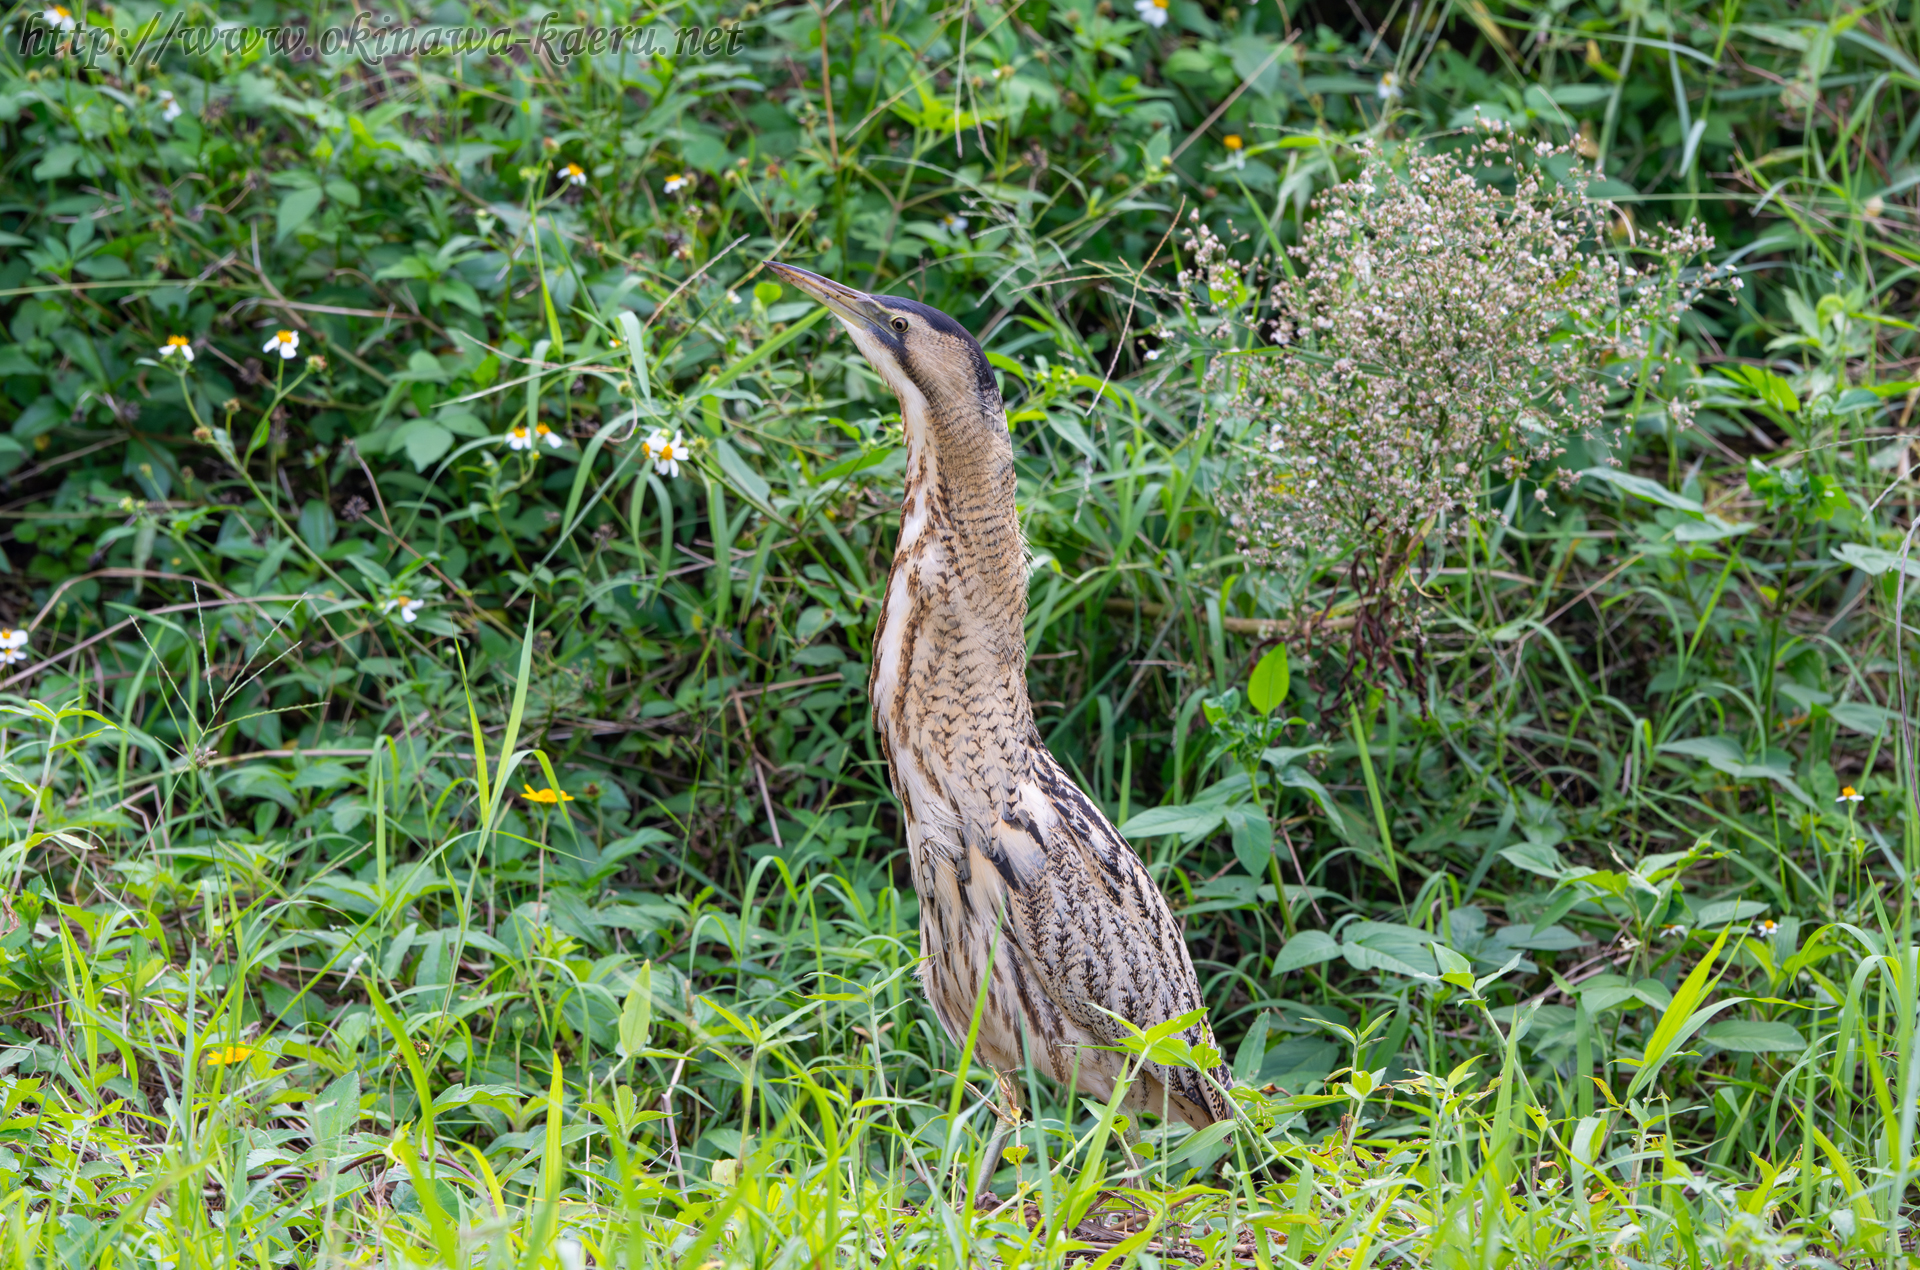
x=1438, y=329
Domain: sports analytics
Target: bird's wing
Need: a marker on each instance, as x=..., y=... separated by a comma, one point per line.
x=1092, y=925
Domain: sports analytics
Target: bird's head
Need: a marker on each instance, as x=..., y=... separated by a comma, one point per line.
x=948, y=395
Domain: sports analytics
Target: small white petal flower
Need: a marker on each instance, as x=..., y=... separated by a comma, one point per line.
x=409, y=608
x=1766, y=928
x=1153, y=354
x=169, y=106
x=574, y=174
x=177, y=344
x=13, y=645
x=954, y=224
x=1152, y=12
x=677, y=182
x=667, y=454
x=548, y=435
x=656, y=441
x=1676, y=931
x=733, y=297
x=286, y=343
x=58, y=17
x=519, y=438
x=1848, y=794
x=1388, y=89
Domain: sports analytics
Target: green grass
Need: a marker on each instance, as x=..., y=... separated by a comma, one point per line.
x=1562, y=951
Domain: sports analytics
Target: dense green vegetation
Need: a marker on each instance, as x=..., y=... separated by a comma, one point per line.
x=436, y=834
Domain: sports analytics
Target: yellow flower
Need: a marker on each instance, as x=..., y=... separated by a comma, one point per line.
x=533, y=795
x=1232, y=141
x=227, y=1054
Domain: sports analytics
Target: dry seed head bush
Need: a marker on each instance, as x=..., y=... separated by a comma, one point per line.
x=1437, y=335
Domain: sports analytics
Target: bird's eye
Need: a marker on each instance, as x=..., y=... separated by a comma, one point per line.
x=899, y=324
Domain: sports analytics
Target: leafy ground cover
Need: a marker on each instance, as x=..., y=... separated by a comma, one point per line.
x=441, y=831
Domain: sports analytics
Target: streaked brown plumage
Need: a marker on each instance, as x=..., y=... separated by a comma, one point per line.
x=1014, y=865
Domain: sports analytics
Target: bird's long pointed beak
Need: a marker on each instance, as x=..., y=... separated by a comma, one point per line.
x=850, y=306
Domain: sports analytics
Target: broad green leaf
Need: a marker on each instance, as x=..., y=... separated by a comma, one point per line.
x=1642, y=488
x=1875, y=560
x=1252, y=838
x=636, y=1015
x=1861, y=716
x=296, y=209
x=1190, y=819
x=1751, y=1036
x=1308, y=948
x=1535, y=857
x=426, y=443
x=1268, y=686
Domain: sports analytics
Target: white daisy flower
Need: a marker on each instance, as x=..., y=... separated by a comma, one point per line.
x=954, y=224
x=733, y=297
x=286, y=343
x=169, y=107
x=1675, y=931
x=409, y=608
x=1153, y=354
x=544, y=433
x=677, y=182
x=1152, y=12
x=177, y=344
x=13, y=645
x=1388, y=89
x=519, y=438
x=667, y=454
x=574, y=174
x=58, y=17
x=1848, y=794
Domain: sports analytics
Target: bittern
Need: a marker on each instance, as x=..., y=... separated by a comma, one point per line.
x=1016, y=868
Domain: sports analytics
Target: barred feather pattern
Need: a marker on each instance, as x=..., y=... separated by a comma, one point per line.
x=1020, y=875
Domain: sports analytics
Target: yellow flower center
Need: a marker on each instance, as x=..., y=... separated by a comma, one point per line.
x=284, y=337
x=1231, y=141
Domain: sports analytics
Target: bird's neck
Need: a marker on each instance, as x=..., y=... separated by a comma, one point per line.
x=949, y=670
